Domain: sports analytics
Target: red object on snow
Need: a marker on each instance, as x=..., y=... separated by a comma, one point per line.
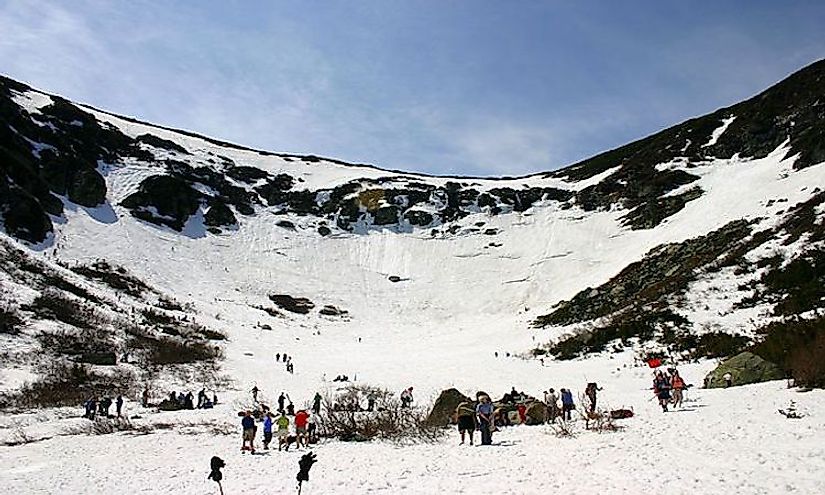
x=654, y=362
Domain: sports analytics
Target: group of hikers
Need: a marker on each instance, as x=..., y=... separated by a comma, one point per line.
x=287, y=360
x=304, y=425
x=95, y=406
x=486, y=417
x=187, y=400
x=669, y=387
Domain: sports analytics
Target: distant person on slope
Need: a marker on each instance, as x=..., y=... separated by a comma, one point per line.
x=465, y=417
x=484, y=414
x=316, y=404
x=406, y=398
x=119, y=405
x=281, y=400
x=255, y=393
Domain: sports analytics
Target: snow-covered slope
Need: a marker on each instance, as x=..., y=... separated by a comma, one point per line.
x=443, y=280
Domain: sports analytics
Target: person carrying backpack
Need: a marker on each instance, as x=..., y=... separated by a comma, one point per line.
x=465, y=417
x=567, y=404
x=590, y=392
x=661, y=388
x=678, y=386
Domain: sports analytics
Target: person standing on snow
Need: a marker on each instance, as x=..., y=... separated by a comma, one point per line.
x=283, y=431
x=281, y=400
x=248, y=426
x=301, y=420
x=406, y=398
x=590, y=392
x=661, y=388
x=268, y=429
x=484, y=414
x=465, y=417
x=255, y=393
x=552, y=402
x=678, y=385
x=316, y=403
x=567, y=404
x=119, y=404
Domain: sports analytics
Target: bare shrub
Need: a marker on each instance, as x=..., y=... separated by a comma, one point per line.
x=165, y=350
x=65, y=384
x=83, y=340
x=344, y=417
x=54, y=305
x=564, y=428
x=10, y=320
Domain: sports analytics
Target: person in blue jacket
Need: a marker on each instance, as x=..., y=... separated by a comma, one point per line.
x=268, y=429
x=484, y=413
x=567, y=404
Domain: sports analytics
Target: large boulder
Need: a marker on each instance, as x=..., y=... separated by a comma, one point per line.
x=444, y=407
x=536, y=412
x=745, y=368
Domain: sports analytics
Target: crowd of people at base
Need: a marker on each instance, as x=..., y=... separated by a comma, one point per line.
x=669, y=387
x=485, y=417
x=100, y=407
x=304, y=431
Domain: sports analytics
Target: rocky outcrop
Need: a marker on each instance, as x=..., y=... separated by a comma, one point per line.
x=164, y=200
x=442, y=412
x=744, y=368
x=299, y=305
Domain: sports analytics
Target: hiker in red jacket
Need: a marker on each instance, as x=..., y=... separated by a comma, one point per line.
x=678, y=385
x=301, y=420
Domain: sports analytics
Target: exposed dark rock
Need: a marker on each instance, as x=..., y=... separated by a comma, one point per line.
x=285, y=224
x=386, y=215
x=330, y=310
x=164, y=200
x=161, y=143
x=418, y=218
x=300, y=305
x=324, y=231
x=219, y=214
x=251, y=175
x=649, y=215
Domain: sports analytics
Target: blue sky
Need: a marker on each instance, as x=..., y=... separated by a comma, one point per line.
x=441, y=86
